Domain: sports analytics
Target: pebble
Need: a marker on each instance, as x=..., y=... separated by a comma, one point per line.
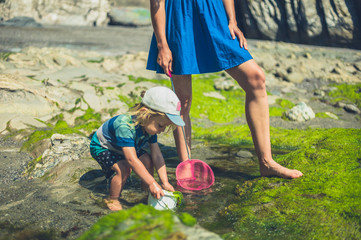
x=319, y=93
x=351, y=108
x=340, y=105
x=244, y=154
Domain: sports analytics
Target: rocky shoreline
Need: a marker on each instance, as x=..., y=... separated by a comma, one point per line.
x=46, y=90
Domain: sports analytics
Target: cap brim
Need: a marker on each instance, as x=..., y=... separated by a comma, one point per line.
x=176, y=119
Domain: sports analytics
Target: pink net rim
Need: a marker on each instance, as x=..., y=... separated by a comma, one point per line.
x=191, y=183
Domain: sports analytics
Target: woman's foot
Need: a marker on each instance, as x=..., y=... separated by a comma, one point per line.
x=272, y=168
x=113, y=205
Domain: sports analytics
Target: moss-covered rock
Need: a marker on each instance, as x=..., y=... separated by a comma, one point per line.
x=323, y=204
x=144, y=222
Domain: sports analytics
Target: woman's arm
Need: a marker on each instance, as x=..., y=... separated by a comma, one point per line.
x=232, y=23
x=157, y=11
x=159, y=164
x=138, y=167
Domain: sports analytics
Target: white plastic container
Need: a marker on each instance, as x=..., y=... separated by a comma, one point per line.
x=168, y=201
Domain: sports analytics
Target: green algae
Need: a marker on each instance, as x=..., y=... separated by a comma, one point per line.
x=138, y=222
x=323, y=204
x=227, y=110
x=276, y=111
x=187, y=219
x=284, y=103
x=202, y=106
x=100, y=60
x=83, y=124
x=324, y=115
x=350, y=93
x=5, y=55
x=31, y=165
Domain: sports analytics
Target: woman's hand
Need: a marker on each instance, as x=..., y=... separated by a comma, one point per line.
x=168, y=187
x=156, y=190
x=236, y=32
x=165, y=60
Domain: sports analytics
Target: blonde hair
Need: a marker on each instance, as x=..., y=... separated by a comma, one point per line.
x=143, y=113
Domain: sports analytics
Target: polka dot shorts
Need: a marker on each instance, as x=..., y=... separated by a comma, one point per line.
x=107, y=159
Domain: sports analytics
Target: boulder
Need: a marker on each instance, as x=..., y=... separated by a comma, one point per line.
x=325, y=22
x=21, y=22
x=130, y=16
x=300, y=113
x=63, y=149
x=70, y=12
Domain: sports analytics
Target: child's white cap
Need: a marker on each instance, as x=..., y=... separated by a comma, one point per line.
x=164, y=100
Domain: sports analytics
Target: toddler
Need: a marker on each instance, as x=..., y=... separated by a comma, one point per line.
x=118, y=144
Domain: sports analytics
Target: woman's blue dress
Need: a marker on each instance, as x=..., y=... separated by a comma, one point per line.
x=199, y=38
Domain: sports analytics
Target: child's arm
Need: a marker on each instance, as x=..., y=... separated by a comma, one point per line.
x=159, y=164
x=138, y=167
x=233, y=28
x=157, y=11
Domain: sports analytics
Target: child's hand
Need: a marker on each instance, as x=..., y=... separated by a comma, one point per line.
x=168, y=187
x=156, y=190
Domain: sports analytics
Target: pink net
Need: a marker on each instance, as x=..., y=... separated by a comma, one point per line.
x=194, y=174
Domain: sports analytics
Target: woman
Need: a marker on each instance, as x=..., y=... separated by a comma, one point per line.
x=201, y=36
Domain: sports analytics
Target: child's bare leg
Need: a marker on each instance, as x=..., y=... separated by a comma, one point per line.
x=252, y=79
x=122, y=170
x=147, y=162
x=183, y=90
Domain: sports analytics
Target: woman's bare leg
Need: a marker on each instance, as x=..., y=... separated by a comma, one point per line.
x=252, y=79
x=183, y=89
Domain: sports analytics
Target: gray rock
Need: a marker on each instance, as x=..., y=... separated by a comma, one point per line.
x=351, y=108
x=304, y=21
x=319, y=93
x=21, y=22
x=300, y=113
x=357, y=66
x=130, y=16
x=64, y=148
x=214, y=95
x=294, y=77
x=79, y=12
x=244, y=154
x=340, y=105
x=224, y=84
x=332, y=115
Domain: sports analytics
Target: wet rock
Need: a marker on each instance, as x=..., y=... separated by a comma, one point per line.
x=307, y=55
x=182, y=227
x=80, y=12
x=21, y=22
x=351, y=108
x=300, y=113
x=64, y=148
x=326, y=21
x=357, y=66
x=280, y=73
x=340, y=105
x=224, y=84
x=319, y=93
x=130, y=16
x=331, y=115
x=244, y=154
x=214, y=95
x=294, y=77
